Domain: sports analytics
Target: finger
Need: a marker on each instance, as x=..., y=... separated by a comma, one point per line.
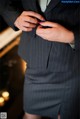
x=41, y=30
x=30, y=19
x=33, y=14
x=25, y=29
x=49, y=24
x=29, y=25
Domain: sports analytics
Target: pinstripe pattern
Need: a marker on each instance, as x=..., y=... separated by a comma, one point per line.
x=55, y=56
x=52, y=78
x=46, y=93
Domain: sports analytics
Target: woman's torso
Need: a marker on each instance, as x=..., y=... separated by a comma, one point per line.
x=58, y=57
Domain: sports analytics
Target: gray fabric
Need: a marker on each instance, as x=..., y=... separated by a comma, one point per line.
x=43, y=4
x=47, y=96
x=52, y=79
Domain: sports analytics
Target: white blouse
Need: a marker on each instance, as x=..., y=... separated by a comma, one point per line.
x=43, y=4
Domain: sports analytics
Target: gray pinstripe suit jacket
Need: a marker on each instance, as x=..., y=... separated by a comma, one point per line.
x=39, y=53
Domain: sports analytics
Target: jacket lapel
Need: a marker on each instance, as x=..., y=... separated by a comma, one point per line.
x=52, y=4
x=34, y=5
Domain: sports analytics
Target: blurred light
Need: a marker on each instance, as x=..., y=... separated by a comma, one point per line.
x=23, y=66
x=5, y=95
x=1, y=101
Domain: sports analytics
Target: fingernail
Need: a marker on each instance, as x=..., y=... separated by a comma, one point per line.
x=43, y=20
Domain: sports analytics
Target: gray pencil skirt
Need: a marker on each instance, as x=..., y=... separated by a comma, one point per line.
x=48, y=93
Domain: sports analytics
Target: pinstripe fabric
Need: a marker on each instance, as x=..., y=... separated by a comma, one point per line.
x=47, y=93
x=52, y=79
x=63, y=56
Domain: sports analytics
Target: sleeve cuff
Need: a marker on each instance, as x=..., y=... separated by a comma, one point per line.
x=77, y=39
x=10, y=18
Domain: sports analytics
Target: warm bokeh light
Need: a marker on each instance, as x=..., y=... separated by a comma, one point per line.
x=23, y=66
x=1, y=101
x=5, y=95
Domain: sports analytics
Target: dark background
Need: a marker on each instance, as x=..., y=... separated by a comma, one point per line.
x=12, y=79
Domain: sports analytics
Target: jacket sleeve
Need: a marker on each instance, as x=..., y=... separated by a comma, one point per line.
x=77, y=37
x=12, y=10
x=3, y=4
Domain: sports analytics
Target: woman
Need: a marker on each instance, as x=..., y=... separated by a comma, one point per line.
x=50, y=46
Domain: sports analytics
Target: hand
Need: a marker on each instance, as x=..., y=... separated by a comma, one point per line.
x=55, y=32
x=28, y=20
